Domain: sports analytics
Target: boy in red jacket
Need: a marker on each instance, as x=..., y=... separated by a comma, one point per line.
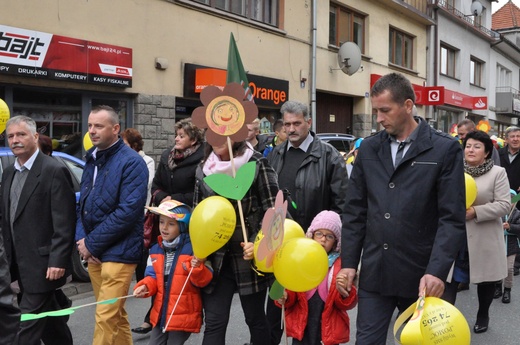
x=319, y=316
x=170, y=264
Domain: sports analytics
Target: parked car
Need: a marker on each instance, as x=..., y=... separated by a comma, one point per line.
x=342, y=142
x=75, y=166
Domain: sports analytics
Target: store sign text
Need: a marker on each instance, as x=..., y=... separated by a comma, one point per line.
x=44, y=55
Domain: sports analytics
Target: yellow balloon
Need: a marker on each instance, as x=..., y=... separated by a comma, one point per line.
x=291, y=230
x=471, y=190
x=87, y=143
x=434, y=322
x=260, y=264
x=4, y=115
x=300, y=264
x=212, y=224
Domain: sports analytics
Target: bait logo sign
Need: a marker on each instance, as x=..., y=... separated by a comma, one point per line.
x=47, y=56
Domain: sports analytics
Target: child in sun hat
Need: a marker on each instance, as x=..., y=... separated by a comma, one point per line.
x=169, y=266
x=319, y=316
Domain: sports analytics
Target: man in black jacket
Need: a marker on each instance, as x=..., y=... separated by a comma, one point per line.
x=312, y=171
x=404, y=217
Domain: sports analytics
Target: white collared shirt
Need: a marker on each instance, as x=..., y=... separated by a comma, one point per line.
x=28, y=165
x=304, y=146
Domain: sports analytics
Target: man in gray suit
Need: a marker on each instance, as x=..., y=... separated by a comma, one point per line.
x=38, y=208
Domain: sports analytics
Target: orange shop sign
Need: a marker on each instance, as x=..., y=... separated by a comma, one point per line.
x=266, y=91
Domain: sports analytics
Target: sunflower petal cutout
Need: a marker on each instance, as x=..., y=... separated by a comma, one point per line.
x=224, y=113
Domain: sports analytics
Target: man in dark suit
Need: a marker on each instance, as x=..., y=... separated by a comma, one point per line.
x=38, y=208
x=404, y=217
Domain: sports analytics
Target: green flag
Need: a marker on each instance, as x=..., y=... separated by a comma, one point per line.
x=235, y=69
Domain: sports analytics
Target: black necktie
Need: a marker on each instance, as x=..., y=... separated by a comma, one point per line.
x=399, y=154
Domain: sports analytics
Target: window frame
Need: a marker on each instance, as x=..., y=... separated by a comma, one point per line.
x=476, y=72
x=270, y=9
x=394, y=34
x=353, y=15
x=504, y=76
x=451, y=52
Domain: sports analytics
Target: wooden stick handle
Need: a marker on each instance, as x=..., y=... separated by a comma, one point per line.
x=239, y=202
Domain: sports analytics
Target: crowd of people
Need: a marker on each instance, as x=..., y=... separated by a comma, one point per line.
x=400, y=202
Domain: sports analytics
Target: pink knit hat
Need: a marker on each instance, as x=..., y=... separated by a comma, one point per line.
x=328, y=220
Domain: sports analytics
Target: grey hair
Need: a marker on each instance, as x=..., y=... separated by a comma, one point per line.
x=469, y=124
x=511, y=129
x=16, y=120
x=114, y=117
x=295, y=107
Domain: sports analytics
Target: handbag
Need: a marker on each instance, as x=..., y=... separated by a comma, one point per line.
x=151, y=223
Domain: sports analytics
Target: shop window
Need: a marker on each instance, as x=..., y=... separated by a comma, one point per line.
x=448, y=61
x=446, y=119
x=401, y=49
x=475, y=73
x=346, y=25
x=265, y=11
x=57, y=115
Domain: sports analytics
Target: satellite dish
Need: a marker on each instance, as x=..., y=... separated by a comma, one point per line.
x=349, y=58
x=476, y=8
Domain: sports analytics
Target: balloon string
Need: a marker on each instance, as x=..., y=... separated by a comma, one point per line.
x=106, y=301
x=177, y=302
x=239, y=202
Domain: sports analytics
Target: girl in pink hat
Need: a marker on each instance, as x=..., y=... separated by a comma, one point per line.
x=319, y=316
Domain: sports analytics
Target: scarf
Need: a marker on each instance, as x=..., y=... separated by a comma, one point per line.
x=176, y=156
x=479, y=170
x=213, y=165
x=169, y=250
x=324, y=287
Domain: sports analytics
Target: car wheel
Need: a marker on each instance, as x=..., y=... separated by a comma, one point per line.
x=79, y=267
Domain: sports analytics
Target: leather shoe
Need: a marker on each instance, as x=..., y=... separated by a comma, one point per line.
x=498, y=291
x=462, y=287
x=506, y=298
x=142, y=330
x=481, y=325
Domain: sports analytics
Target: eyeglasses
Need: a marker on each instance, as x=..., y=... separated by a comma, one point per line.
x=329, y=237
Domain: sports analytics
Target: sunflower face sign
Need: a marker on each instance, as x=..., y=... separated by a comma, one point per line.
x=433, y=322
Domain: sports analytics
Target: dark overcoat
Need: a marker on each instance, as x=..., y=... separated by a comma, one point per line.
x=408, y=221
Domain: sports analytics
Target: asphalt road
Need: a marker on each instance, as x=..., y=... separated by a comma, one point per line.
x=503, y=329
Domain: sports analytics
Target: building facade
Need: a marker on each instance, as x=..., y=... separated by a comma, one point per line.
x=150, y=59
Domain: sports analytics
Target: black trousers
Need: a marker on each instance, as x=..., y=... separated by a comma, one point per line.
x=217, y=306
x=52, y=330
x=374, y=315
